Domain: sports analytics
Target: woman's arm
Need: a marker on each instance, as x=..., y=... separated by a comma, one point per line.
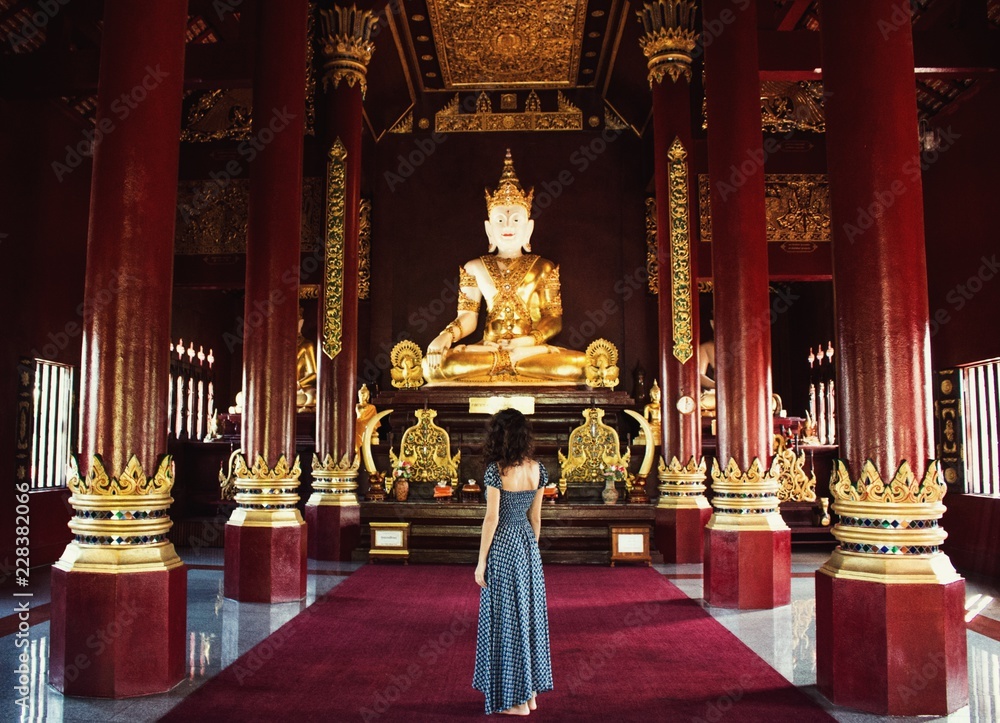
x=490, y=522
x=535, y=513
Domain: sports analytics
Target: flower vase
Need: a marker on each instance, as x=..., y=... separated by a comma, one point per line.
x=610, y=493
x=401, y=489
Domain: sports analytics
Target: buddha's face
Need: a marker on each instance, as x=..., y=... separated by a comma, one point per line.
x=509, y=229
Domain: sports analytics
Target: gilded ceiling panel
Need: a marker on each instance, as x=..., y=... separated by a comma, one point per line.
x=508, y=43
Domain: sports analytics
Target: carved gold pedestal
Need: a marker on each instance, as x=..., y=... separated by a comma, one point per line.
x=888, y=566
x=119, y=573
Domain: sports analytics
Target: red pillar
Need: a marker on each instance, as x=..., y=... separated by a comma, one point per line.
x=333, y=512
x=120, y=578
x=266, y=536
x=880, y=285
x=682, y=510
x=748, y=548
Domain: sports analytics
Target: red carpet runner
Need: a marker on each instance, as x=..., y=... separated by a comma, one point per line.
x=398, y=644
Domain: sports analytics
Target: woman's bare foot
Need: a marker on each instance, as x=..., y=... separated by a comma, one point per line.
x=517, y=710
x=532, y=705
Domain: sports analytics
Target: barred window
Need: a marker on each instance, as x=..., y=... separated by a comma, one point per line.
x=981, y=408
x=52, y=428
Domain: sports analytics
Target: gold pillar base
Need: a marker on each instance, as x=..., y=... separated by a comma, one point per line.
x=744, y=501
x=265, y=496
x=120, y=523
x=889, y=533
x=335, y=484
x=682, y=486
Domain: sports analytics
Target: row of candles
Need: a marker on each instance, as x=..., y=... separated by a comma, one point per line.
x=822, y=398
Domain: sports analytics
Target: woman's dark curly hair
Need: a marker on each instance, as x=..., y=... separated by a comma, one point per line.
x=508, y=439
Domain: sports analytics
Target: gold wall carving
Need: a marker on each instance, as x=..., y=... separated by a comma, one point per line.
x=592, y=447
x=797, y=206
x=680, y=252
x=508, y=43
x=333, y=260
x=365, y=249
x=450, y=119
x=427, y=447
x=652, y=263
x=212, y=217
x=789, y=105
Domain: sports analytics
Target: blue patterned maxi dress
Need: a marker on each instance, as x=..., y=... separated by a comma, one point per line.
x=512, y=644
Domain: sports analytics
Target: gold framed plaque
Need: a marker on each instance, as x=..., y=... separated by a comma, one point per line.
x=629, y=544
x=390, y=540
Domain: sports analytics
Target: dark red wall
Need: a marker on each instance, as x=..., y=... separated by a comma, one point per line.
x=43, y=254
x=961, y=192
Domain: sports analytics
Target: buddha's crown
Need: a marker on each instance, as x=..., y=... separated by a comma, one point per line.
x=509, y=192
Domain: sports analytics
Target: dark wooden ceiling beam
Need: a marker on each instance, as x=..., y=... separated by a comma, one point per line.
x=793, y=14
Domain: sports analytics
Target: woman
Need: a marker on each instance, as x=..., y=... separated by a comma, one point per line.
x=512, y=646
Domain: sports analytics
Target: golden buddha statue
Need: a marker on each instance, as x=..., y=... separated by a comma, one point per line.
x=305, y=372
x=523, y=306
x=651, y=412
x=364, y=410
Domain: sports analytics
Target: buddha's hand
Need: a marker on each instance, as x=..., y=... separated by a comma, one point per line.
x=437, y=349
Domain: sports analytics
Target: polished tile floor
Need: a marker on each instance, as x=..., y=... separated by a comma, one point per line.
x=220, y=630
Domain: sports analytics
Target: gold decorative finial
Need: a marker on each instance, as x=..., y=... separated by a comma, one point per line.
x=509, y=191
x=669, y=38
x=346, y=44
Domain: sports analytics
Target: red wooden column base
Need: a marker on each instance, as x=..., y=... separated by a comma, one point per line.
x=891, y=649
x=118, y=635
x=334, y=531
x=265, y=564
x=679, y=533
x=748, y=569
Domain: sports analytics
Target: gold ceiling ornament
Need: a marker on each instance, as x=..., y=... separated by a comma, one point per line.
x=508, y=43
x=308, y=291
x=120, y=524
x=406, y=372
x=669, y=38
x=404, y=124
x=450, y=119
x=509, y=191
x=593, y=446
x=132, y=481
x=682, y=486
x=346, y=45
x=335, y=483
x=680, y=252
x=613, y=121
x=265, y=496
x=789, y=469
x=797, y=206
x=427, y=448
x=365, y=249
x=744, y=500
x=333, y=262
x=889, y=533
x=602, y=364
x=211, y=217
x=789, y=105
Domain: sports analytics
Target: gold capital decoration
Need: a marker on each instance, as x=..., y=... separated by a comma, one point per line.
x=333, y=267
x=335, y=483
x=889, y=533
x=346, y=45
x=265, y=496
x=744, y=500
x=680, y=252
x=120, y=523
x=669, y=38
x=682, y=485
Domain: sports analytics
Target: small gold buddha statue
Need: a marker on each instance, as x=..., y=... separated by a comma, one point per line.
x=523, y=305
x=305, y=372
x=652, y=414
x=364, y=410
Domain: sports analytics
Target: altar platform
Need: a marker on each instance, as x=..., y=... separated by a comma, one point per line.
x=572, y=533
